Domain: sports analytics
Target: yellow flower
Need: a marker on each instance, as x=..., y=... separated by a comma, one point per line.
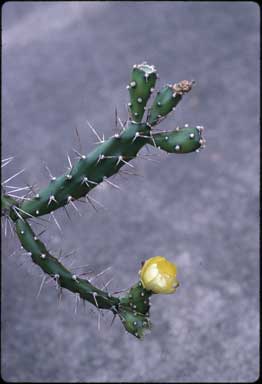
x=159, y=275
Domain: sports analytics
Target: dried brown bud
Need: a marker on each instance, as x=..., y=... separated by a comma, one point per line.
x=183, y=86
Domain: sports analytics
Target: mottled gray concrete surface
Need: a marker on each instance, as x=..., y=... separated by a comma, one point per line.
x=66, y=62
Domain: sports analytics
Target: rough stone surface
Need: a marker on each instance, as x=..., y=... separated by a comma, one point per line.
x=66, y=62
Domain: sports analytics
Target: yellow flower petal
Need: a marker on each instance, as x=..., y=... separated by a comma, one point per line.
x=159, y=275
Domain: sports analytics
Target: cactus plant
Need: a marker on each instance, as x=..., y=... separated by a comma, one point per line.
x=157, y=275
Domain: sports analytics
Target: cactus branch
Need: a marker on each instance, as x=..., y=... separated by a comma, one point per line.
x=143, y=79
x=109, y=156
x=103, y=162
x=166, y=101
x=133, y=309
x=182, y=140
x=50, y=265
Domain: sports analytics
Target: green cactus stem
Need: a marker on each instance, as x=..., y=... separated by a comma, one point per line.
x=182, y=140
x=166, y=101
x=143, y=79
x=50, y=265
x=133, y=309
x=104, y=161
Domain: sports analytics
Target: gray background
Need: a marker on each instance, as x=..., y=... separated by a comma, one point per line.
x=66, y=62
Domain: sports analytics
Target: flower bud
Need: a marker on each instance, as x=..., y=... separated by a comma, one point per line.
x=159, y=275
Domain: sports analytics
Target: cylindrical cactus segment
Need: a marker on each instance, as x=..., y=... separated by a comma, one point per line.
x=134, y=310
x=89, y=171
x=137, y=299
x=64, y=278
x=105, y=161
x=142, y=83
x=134, y=322
x=166, y=100
x=182, y=140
